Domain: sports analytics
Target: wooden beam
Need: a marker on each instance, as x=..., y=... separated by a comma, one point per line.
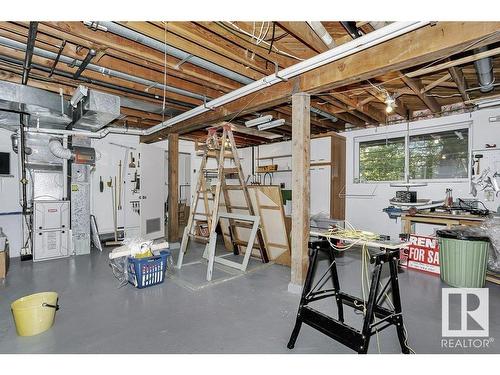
x=417, y=87
x=400, y=107
x=280, y=44
x=173, y=187
x=459, y=79
x=428, y=44
x=303, y=33
x=301, y=160
x=262, y=50
x=366, y=109
x=197, y=34
x=449, y=64
x=435, y=83
x=127, y=50
x=337, y=181
x=173, y=40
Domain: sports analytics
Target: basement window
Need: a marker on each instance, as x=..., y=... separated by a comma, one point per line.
x=442, y=155
x=382, y=160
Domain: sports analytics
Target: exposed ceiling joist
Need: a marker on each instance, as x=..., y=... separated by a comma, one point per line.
x=303, y=32
x=428, y=44
x=417, y=88
x=457, y=62
x=459, y=79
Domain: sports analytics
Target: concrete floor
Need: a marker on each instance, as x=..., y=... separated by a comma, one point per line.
x=252, y=313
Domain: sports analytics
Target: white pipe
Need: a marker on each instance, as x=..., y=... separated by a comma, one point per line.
x=320, y=31
x=58, y=150
x=359, y=44
x=96, y=135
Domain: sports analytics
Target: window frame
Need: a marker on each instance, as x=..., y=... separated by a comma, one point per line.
x=466, y=125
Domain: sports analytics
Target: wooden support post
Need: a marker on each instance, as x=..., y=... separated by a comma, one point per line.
x=337, y=182
x=173, y=187
x=301, y=141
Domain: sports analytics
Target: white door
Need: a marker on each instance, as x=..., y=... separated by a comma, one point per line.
x=152, y=169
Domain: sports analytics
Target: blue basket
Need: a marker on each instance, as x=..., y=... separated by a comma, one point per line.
x=149, y=271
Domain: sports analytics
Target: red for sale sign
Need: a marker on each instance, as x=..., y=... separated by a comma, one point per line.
x=423, y=253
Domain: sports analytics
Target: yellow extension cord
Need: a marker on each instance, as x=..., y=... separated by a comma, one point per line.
x=358, y=235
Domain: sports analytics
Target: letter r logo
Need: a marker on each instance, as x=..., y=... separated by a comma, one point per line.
x=469, y=308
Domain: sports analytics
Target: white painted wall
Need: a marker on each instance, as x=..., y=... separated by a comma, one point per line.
x=108, y=156
x=366, y=212
x=9, y=198
x=320, y=175
x=363, y=213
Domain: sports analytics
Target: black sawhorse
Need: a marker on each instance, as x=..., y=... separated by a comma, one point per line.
x=336, y=328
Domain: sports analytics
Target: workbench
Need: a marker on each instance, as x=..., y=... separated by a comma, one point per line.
x=442, y=218
x=439, y=218
x=337, y=329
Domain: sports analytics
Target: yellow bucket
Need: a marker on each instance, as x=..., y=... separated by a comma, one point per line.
x=35, y=313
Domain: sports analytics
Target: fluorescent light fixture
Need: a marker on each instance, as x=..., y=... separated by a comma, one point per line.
x=459, y=135
x=272, y=124
x=494, y=119
x=258, y=120
x=487, y=103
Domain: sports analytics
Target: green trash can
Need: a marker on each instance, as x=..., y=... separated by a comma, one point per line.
x=463, y=257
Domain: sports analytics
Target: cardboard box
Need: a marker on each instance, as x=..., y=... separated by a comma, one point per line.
x=4, y=263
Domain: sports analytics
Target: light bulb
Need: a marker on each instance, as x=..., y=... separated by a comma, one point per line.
x=389, y=108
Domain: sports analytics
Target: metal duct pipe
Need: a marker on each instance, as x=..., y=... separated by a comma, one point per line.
x=29, y=51
x=99, y=69
x=124, y=101
x=57, y=149
x=484, y=71
x=324, y=114
x=359, y=44
x=320, y=30
x=127, y=33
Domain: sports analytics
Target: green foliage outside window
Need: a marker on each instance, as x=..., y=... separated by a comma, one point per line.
x=382, y=160
x=437, y=155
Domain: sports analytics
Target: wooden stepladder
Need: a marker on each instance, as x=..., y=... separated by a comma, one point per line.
x=222, y=149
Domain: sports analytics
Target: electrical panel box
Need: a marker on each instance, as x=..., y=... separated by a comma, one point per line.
x=51, y=230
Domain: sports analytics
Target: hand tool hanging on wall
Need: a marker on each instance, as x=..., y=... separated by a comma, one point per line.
x=119, y=187
x=115, y=214
x=132, y=160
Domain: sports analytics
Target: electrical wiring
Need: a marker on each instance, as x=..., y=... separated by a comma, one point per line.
x=355, y=237
x=236, y=27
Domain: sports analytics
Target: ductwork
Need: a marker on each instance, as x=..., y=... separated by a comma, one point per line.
x=484, y=71
x=127, y=33
x=320, y=30
x=99, y=69
x=58, y=150
x=40, y=104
